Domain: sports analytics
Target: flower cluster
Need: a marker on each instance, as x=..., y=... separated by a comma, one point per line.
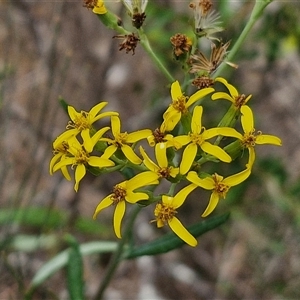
x=178, y=158
x=181, y=145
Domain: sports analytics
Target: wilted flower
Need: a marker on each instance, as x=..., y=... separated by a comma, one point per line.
x=200, y=63
x=206, y=20
x=136, y=10
x=129, y=43
x=182, y=44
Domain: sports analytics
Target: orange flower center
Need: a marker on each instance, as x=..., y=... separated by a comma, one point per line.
x=164, y=213
x=118, y=194
x=180, y=104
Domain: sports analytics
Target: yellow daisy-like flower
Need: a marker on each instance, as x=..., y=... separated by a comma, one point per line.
x=159, y=135
x=125, y=191
x=79, y=156
x=60, y=153
x=218, y=184
x=180, y=104
x=251, y=137
x=82, y=121
x=162, y=168
x=197, y=138
x=165, y=213
x=238, y=100
x=123, y=141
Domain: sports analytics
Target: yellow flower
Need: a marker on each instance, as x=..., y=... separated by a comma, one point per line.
x=60, y=153
x=159, y=135
x=180, y=104
x=99, y=8
x=162, y=168
x=238, y=100
x=123, y=140
x=251, y=137
x=82, y=121
x=123, y=192
x=165, y=214
x=218, y=184
x=197, y=138
x=79, y=156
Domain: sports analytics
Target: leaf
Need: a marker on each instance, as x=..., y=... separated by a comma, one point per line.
x=75, y=270
x=60, y=260
x=170, y=241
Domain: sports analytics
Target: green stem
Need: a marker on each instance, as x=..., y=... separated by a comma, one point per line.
x=146, y=45
x=255, y=15
x=116, y=258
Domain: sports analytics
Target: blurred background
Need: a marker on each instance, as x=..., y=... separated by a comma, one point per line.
x=52, y=49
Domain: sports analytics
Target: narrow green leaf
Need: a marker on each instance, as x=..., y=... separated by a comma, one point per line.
x=60, y=260
x=170, y=241
x=75, y=271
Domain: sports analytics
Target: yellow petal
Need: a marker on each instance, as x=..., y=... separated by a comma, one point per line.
x=100, y=162
x=181, y=140
x=132, y=197
x=213, y=201
x=268, y=139
x=73, y=114
x=103, y=204
x=96, y=137
x=103, y=115
x=182, y=232
x=133, y=137
x=196, y=124
x=118, y=216
x=147, y=161
x=251, y=156
x=79, y=174
x=160, y=154
x=216, y=151
x=141, y=179
x=222, y=95
x=230, y=132
x=63, y=137
x=180, y=197
x=171, y=120
x=96, y=109
x=237, y=178
x=87, y=141
x=63, y=162
x=210, y=133
x=176, y=90
x=188, y=157
x=109, y=151
x=198, y=95
x=115, y=126
x=232, y=90
x=206, y=183
x=247, y=119
x=53, y=161
x=130, y=155
x=65, y=172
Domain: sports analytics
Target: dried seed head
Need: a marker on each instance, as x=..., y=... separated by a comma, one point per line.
x=129, y=43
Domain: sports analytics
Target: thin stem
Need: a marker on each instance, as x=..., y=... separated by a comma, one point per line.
x=255, y=15
x=146, y=45
x=116, y=258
